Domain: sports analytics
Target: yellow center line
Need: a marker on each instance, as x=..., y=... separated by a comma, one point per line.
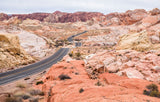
x=35, y=66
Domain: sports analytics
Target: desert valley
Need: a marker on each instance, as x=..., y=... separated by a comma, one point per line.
x=113, y=57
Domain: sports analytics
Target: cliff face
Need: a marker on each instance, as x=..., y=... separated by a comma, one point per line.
x=11, y=53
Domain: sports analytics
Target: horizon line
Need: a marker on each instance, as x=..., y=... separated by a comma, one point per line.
x=8, y=13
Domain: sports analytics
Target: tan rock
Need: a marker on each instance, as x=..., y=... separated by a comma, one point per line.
x=11, y=53
x=136, y=41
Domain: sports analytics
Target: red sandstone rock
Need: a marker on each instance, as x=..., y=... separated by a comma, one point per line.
x=127, y=18
x=80, y=88
x=134, y=64
x=155, y=11
x=71, y=17
x=37, y=16
x=3, y=16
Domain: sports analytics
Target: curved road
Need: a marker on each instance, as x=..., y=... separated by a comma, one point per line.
x=13, y=75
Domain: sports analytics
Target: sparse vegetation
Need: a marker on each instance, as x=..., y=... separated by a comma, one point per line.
x=78, y=54
x=81, y=90
x=70, y=54
x=13, y=99
x=41, y=93
x=39, y=82
x=33, y=100
x=63, y=77
x=98, y=83
x=20, y=85
x=36, y=92
x=152, y=90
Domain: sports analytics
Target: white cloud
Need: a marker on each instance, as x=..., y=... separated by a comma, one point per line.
x=105, y=6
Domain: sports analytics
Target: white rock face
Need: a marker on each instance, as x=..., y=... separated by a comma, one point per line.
x=156, y=67
x=131, y=73
x=33, y=44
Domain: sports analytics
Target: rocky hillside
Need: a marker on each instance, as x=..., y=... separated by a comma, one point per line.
x=69, y=81
x=11, y=53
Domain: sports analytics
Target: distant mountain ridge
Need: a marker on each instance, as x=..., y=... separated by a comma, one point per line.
x=127, y=18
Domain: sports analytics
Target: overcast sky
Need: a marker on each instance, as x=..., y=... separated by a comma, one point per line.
x=104, y=6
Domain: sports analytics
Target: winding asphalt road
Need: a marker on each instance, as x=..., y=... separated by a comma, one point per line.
x=14, y=75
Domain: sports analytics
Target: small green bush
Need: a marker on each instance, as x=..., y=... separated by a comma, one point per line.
x=155, y=94
x=81, y=90
x=152, y=90
x=63, y=77
x=70, y=54
x=152, y=87
x=39, y=82
x=98, y=83
x=78, y=54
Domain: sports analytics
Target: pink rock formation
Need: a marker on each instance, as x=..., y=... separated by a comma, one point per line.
x=80, y=88
x=37, y=16
x=133, y=64
x=155, y=11
x=71, y=17
x=3, y=16
x=127, y=18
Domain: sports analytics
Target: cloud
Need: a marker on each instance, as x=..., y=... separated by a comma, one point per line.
x=105, y=6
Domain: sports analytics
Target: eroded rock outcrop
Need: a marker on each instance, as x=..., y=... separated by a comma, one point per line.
x=11, y=53
x=133, y=64
x=76, y=86
x=136, y=41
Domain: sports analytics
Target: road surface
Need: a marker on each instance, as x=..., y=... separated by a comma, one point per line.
x=14, y=75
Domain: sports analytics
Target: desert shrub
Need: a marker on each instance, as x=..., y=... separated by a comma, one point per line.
x=98, y=83
x=33, y=100
x=20, y=85
x=13, y=99
x=152, y=87
x=70, y=54
x=63, y=77
x=81, y=90
x=35, y=92
x=152, y=90
x=155, y=94
x=22, y=95
x=39, y=82
x=78, y=54
x=41, y=93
